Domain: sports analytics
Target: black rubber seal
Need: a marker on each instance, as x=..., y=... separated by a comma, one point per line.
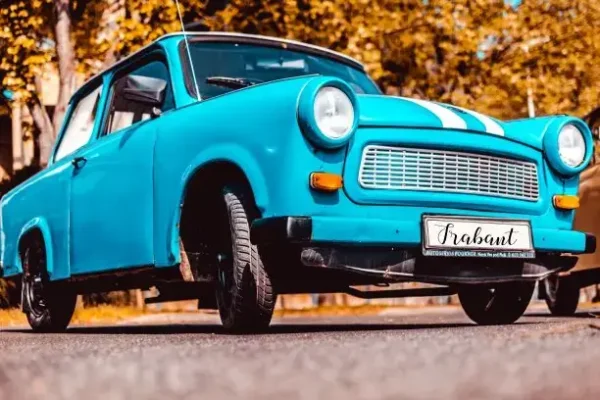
x=281, y=230
x=590, y=243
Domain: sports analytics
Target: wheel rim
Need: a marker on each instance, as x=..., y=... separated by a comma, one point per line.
x=34, y=288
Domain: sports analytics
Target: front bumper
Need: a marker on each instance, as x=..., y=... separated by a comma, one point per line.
x=391, y=250
x=402, y=234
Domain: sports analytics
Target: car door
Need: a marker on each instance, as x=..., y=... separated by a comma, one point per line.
x=112, y=184
x=49, y=194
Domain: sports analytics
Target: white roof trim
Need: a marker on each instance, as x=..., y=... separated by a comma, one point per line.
x=268, y=38
x=224, y=34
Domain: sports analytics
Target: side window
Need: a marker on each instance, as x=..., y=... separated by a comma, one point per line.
x=80, y=126
x=138, y=95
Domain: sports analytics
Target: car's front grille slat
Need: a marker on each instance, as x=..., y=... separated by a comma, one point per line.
x=404, y=168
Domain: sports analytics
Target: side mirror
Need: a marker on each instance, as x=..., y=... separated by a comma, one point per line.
x=144, y=90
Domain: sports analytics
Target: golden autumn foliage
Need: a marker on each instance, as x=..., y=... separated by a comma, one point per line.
x=23, y=52
x=555, y=42
x=143, y=21
x=481, y=54
x=101, y=31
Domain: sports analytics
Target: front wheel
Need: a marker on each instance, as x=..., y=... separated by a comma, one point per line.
x=561, y=295
x=245, y=294
x=497, y=305
x=48, y=307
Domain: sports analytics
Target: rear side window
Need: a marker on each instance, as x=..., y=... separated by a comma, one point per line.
x=81, y=124
x=125, y=110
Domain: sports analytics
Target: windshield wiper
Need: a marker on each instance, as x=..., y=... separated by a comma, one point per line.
x=231, y=82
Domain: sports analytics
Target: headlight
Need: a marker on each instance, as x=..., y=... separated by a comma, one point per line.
x=568, y=145
x=571, y=146
x=334, y=113
x=328, y=112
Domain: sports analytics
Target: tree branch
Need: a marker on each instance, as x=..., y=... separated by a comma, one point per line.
x=66, y=60
x=42, y=122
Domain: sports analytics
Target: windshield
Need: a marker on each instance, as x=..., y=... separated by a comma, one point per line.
x=221, y=67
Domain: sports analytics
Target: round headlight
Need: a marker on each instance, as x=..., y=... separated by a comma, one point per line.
x=571, y=146
x=334, y=113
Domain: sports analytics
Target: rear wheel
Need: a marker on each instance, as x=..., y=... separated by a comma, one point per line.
x=561, y=295
x=48, y=308
x=501, y=304
x=245, y=294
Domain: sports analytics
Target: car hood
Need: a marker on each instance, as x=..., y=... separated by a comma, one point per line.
x=390, y=111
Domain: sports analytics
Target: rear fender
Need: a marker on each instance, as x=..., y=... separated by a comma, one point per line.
x=41, y=225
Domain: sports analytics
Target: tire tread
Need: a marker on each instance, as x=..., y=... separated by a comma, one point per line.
x=250, y=311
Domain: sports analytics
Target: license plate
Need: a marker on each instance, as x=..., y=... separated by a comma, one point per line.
x=475, y=237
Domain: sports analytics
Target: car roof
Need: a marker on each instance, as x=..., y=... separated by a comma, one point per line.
x=261, y=39
x=231, y=36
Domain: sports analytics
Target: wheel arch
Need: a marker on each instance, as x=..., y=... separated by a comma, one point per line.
x=211, y=174
x=36, y=226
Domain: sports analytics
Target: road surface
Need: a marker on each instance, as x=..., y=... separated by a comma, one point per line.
x=396, y=355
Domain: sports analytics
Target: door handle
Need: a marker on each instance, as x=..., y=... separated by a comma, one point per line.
x=78, y=162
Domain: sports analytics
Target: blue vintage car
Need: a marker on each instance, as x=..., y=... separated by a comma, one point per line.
x=231, y=168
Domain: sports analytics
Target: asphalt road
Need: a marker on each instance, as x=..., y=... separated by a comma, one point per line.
x=417, y=356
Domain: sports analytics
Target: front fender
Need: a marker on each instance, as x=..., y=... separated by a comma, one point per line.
x=529, y=131
x=225, y=152
x=532, y=131
x=237, y=155
x=254, y=129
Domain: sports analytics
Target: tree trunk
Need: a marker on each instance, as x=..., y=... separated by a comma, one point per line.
x=66, y=61
x=46, y=135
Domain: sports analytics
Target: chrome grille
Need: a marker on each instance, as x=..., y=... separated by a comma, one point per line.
x=402, y=168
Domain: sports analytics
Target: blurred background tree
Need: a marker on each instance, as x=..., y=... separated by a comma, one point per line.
x=24, y=50
x=75, y=38
x=550, y=48
x=506, y=58
x=38, y=34
x=483, y=54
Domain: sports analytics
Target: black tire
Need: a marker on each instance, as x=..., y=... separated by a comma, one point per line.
x=48, y=308
x=502, y=304
x=245, y=295
x=561, y=295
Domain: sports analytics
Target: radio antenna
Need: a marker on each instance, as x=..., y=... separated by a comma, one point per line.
x=189, y=54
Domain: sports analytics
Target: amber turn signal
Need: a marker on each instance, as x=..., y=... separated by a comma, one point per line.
x=325, y=181
x=565, y=202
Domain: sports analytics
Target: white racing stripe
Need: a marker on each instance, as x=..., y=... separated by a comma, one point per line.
x=491, y=126
x=449, y=119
